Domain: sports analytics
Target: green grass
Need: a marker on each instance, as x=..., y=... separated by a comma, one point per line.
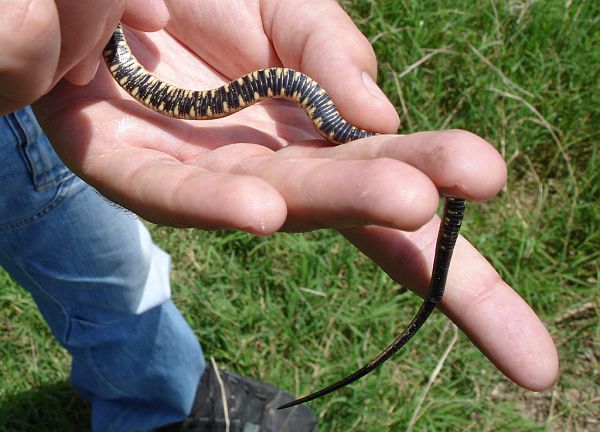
x=300, y=310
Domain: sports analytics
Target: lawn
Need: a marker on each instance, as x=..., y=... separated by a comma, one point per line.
x=302, y=310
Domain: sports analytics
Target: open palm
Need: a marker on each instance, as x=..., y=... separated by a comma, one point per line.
x=266, y=169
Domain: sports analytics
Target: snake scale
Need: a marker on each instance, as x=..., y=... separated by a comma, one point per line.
x=278, y=82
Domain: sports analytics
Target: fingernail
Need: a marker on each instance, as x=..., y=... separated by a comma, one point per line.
x=162, y=11
x=373, y=87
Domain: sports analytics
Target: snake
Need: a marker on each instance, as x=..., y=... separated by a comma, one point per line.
x=285, y=83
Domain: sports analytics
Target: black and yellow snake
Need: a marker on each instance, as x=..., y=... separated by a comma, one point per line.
x=278, y=82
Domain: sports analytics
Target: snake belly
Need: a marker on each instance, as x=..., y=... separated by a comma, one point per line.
x=284, y=83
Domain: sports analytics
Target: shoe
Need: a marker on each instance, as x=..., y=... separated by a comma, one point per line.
x=252, y=407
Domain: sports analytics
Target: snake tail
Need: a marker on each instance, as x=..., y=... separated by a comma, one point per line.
x=452, y=216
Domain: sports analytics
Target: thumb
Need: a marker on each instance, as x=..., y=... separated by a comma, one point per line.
x=318, y=38
x=144, y=15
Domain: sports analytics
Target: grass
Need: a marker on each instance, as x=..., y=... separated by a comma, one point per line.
x=297, y=310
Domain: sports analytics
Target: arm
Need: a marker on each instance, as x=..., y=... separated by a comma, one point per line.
x=265, y=169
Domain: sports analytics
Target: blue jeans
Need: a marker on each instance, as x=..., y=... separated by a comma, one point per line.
x=100, y=283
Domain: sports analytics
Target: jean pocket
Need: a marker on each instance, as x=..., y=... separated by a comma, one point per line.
x=43, y=164
x=32, y=177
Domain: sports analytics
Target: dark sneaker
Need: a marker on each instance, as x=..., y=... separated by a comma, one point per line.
x=252, y=407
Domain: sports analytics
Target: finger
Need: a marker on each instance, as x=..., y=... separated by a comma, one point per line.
x=30, y=41
x=458, y=162
x=44, y=40
x=228, y=35
x=146, y=15
x=85, y=27
x=119, y=157
x=318, y=38
x=336, y=193
x=163, y=190
x=490, y=313
x=83, y=43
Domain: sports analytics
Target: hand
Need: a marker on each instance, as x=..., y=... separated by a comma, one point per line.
x=265, y=168
x=44, y=40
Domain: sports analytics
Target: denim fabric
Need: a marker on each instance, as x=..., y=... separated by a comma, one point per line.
x=100, y=283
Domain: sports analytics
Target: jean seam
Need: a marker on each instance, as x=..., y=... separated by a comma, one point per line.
x=22, y=136
x=100, y=374
x=113, y=424
x=48, y=295
x=43, y=185
x=60, y=195
x=26, y=139
x=64, y=336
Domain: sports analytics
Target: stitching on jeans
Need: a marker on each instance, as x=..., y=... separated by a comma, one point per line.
x=22, y=138
x=60, y=195
x=22, y=126
x=116, y=420
x=101, y=375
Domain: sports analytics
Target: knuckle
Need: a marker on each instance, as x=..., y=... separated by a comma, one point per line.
x=484, y=292
x=409, y=196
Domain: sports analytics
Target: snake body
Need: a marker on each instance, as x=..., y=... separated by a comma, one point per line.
x=278, y=82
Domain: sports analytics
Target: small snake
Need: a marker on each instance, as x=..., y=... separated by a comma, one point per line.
x=270, y=83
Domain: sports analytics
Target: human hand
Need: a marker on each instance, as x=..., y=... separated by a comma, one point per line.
x=44, y=40
x=266, y=169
